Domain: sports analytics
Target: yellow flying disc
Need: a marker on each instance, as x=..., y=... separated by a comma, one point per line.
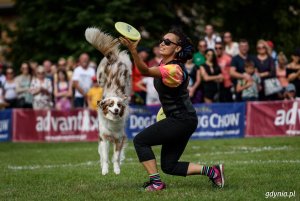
x=160, y=115
x=127, y=30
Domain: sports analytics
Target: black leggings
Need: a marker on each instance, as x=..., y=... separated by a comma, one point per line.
x=173, y=134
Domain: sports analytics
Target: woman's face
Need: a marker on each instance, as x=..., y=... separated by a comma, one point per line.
x=227, y=37
x=25, y=68
x=40, y=74
x=261, y=48
x=9, y=74
x=209, y=56
x=61, y=76
x=169, y=46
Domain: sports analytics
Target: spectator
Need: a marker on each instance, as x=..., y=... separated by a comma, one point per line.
x=224, y=62
x=62, y=65
x=231, y=47
x=265, y=67
x=157, y=57
x=139, y=95
x=212, y=77
x=33, y=65
x=146, y=84
x=2, y=76
x=289, y=90
x=198, y=57
x=238, y=62
x=82, y=80
x=48, y=69
x=94, y=94
x=71, y=63
x=9, y=87
x=210, y=37
x=62, y=91
x=281, y=69
x=293, y=71
x=41, y=89
x=249, y=87
x=194, y=88
x=3, y=104
x=237, y=70
x=272, y=52
x=23, y=83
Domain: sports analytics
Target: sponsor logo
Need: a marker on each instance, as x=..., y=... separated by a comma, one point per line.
x=4, y=125
x=83, y=121
x=219, y=121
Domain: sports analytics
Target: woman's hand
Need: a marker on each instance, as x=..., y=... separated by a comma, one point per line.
x=131, y=45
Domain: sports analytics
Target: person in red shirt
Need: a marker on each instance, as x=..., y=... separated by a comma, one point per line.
x=139, y=95
x=224, y=61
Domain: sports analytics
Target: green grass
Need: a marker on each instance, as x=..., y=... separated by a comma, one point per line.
x=70, y=171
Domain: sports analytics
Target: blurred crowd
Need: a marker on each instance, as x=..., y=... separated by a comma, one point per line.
x=221, y=70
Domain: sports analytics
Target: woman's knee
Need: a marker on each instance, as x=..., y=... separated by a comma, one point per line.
x=168, y=168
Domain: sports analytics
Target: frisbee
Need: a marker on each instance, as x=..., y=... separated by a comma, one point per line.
x=127, y=30
x=160, y=115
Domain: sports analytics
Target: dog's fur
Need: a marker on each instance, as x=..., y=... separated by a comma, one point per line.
x=114, y=76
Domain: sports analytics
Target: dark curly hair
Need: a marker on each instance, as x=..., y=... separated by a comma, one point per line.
x=186, y=45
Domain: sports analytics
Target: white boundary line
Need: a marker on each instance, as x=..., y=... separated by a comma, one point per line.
x=130, y=162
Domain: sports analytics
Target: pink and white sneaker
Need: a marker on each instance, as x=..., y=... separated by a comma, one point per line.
x=149, y=186
x=219, y=179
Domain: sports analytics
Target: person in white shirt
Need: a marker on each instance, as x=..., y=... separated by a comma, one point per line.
x=10, y=94
x=2, y=76
x=146, y=84
x=210, y=37
x=231, y=47
x=82, y=80
x=41, y=89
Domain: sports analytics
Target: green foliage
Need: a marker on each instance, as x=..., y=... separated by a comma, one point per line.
x=55, y=28
x=71, y=171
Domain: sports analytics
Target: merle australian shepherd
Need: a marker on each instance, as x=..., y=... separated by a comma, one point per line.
x=114, y=76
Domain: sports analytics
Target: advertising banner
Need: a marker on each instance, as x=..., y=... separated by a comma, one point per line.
x=214, y=120
x=276, y=118
x=140, y=117
x=53, y=125
x=220, y=120
x=5, y=125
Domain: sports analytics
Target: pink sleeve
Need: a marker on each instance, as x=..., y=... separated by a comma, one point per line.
x=172, y=75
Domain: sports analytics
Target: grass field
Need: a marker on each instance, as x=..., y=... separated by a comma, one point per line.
x=70, y=171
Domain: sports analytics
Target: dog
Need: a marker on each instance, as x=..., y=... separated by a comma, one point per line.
x=114, y=76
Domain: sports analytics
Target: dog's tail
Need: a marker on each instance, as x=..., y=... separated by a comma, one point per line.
x=103, y=42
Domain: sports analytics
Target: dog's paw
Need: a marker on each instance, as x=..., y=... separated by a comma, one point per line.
x=104, y=169
x=117, y=169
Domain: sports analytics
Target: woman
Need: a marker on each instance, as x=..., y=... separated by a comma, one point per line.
x=265, y=67
x=10, y=94
x=23, y=82
x=293, y=71
x=212, y=77
x=41, y=89
x=195, y=81
x=173, y=132
x=231, y=47
x=62, y=91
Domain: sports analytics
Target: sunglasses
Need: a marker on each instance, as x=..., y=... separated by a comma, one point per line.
x=260, y=47
x=218, y=48
x=167, y=42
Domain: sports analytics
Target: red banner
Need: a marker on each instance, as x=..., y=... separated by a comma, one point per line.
x=52, y=125
x=273, y=118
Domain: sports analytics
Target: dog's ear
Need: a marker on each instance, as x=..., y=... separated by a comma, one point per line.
x=100, y=103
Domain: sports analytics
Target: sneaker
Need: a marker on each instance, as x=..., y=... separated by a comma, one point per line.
x=219, y=179
x=149, y=186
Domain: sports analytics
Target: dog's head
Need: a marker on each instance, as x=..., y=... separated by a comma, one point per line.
x=113, y=108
